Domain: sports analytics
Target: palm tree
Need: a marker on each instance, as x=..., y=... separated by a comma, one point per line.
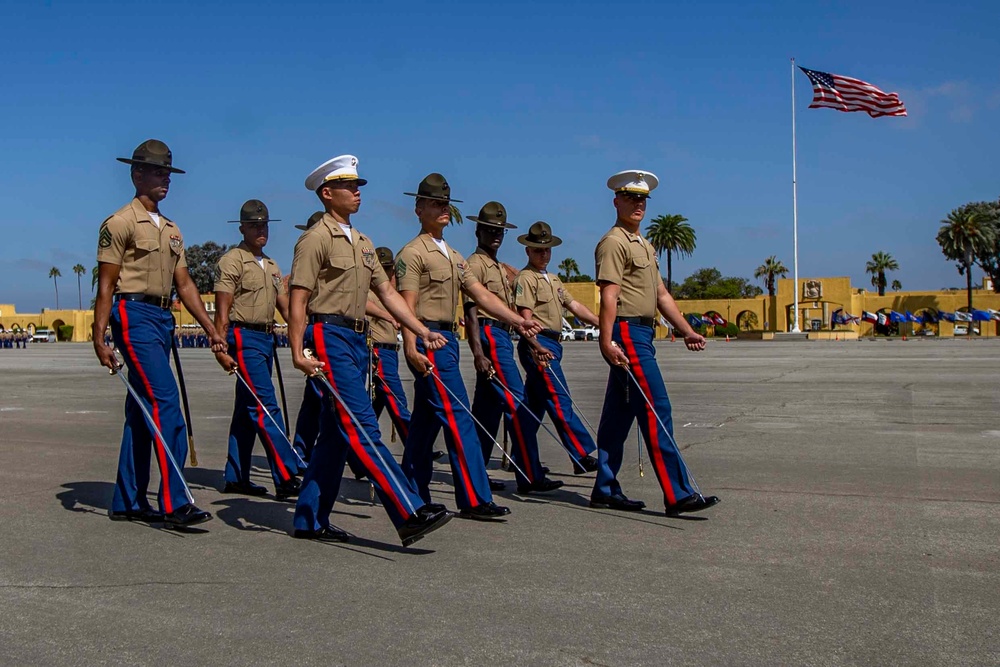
x=879, y=264
x=896, y=286
x=963, y=235
x=568, y=268
x=672, y=235
x=55, y=273
x=79, y=270
x=456, y=215
x=770, y=270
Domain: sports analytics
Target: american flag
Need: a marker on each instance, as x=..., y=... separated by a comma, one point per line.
x=846, y=94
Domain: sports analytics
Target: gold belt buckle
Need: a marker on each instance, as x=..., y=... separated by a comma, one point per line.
x=359, y=326
x=165, y=302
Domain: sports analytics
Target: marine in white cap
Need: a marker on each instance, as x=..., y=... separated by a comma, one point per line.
x=632, y=293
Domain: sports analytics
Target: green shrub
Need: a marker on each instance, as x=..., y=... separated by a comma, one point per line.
x=729, y=329
x=65, y=332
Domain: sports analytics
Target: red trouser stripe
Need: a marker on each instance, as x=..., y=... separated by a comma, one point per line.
x=511, y=404
x=378, y=475
x=563, y=422
x=651, y=421
x=161, y=454
x=390, y=400
x=261, y=428
x=470, y=490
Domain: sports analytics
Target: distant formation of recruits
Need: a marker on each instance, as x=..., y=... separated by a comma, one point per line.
x=14, y=340
x=346, y=300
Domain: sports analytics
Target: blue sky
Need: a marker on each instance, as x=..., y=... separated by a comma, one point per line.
x=532, y=104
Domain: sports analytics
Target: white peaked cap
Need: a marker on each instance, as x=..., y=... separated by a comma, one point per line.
x=635, y=181
x=340, y=168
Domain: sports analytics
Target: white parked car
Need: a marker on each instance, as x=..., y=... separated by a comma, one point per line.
x=963, y=330
x=589, y=332
x=44, y=336
x=566, y=334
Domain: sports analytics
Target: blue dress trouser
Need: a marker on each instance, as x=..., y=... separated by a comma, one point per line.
x=254, y=354
x=143, y=333
x=549, y=394
x=345, y=354
x=490, y=401
x=434, y=407
x=389, y=393
x=307, y=423
x=623, y=403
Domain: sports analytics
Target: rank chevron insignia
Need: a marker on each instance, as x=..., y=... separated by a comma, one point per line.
x=104, y=237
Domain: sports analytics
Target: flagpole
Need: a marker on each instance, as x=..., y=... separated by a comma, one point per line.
x=795, y=216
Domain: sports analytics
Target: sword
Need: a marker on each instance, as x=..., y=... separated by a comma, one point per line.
x=298, y=459
x=281, y=383
x=434, y=372
x=662, y=425
x=576, y=407
x=184, y=400
x=493, y=377
x=321, y=376
x=153, y=427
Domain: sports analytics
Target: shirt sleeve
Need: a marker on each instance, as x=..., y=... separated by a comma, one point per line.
x=565, y=298
x=525, y=290
x=113, y=239
x=227, y=274
x=467, y=276
x=282, y=290
x=409, y=266
x=610, y=258
x=307, y=261
x=378, y=276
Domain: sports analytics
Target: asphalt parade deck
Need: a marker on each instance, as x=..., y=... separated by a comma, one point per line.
x=859, y=526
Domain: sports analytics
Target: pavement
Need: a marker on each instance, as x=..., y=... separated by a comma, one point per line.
x=859, y=526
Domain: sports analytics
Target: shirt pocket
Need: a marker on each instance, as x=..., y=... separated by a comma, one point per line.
x=640, y=261
x=340, y=273
x=543, y=292
x=252, y=281
x=438, y=275
x=147, y=251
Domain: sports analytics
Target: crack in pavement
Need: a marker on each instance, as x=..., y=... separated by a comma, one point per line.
x=125, y=585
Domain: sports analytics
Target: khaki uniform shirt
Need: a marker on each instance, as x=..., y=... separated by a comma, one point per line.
x=545, y=298
x=338, y=272
x=422, y=267
x=382, y=330
x=493, y=276
x=629, y=261
x=147, y=256
x=255, y=290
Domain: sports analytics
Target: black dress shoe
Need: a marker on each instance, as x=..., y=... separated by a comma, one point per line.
x=545, y=470
x=541, y=486
x=485, y=512
x=146, y=515
x=585, y=465
x=327, y=534
x=422, y=523
x=437, y=456
x=186, y=515
x=431, y=508
x=245, y=488
x=497, y=485
x=617, y=501
x=693, y=503
x=289, y=489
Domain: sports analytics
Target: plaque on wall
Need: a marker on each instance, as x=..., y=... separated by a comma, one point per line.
x=812, y=289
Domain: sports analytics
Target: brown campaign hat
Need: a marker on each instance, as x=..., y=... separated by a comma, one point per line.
x=254, y=211
x=492, y=214
x=385, y=257
x=434, y=186
x=539, y=236
x=313, y=219
x=154, y=153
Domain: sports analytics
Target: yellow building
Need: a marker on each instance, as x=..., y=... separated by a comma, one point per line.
x=758, y=317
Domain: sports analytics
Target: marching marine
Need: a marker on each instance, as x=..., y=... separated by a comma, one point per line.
x=541, y=296
x=431, y=276
x=334, y=267
x=632, y=292
x=141, y=260
x=499, y=389
x=248, y=290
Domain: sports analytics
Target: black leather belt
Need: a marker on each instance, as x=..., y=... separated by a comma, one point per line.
x=263, y=328
x=359, y=326
x=441, y=325
x=490, y=322
x=644, y=321
x=163, y=302
x=386, y=346
x=549, y=333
